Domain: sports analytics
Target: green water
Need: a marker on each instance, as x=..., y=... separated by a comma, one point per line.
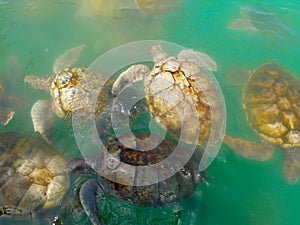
x=238, y=191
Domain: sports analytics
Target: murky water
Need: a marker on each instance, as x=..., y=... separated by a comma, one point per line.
x=238, y=35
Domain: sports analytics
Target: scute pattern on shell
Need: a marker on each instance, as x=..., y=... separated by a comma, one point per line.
x=129, y=163
x=271, y=98
x=175, y=86
x=32, y=176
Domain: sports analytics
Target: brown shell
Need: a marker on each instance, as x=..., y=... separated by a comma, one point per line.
x=187, y=85
x=271, y=99
x=129, y=164
x=32, y=176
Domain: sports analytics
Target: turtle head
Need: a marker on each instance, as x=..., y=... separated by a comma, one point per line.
x=6, y=115
x=158, y=54
x=64, y=89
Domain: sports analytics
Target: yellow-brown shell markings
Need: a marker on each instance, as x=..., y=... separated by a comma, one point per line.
x=32, y=176
x=271, y=98
x=184, y=91
x=71, y=90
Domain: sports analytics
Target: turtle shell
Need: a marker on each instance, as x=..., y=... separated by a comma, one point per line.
x=181, y=96
x=32, y=176
x=128, y=171
x=71, y=90
x=271, y=99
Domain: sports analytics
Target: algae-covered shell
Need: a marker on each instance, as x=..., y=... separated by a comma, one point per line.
x=32, y=176
x=271, y=99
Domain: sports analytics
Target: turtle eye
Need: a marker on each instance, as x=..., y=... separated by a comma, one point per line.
x=63, y=79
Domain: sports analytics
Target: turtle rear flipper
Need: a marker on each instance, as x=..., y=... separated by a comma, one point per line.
x=90, y=191
x=39, y=83
x=43, y=119
x=248, y=149
x=291, y=165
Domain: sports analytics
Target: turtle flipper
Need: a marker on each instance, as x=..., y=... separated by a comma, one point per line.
x=10, y=211
x=249, y=150
x=67, y=59
x=90, y=191
x=131, y=75
x=291, y=165
x=39, y=83
x=242, y=23
x=43, y=119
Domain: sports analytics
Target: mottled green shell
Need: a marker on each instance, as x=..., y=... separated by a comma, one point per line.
x=32, y=176
x=271, y=98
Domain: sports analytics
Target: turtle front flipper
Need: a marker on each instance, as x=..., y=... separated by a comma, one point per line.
x=133, y=74
x=10, y=211
x=90, y=191
x=43, y=119
x=67, y=59
x=250, y=150
x=39, y=83
x=291, y=165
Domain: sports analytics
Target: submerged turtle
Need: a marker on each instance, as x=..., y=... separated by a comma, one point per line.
x=70, y=90
x=271, y=99
x=156, y=7
x=8, y=102
x=102, y=8
x=32, y=175
x=181, y=94
x=6, y=113
x=125, y=165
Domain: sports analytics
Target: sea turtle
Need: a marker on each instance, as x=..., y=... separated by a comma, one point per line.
x=6, y=113
x=271, y=99
x=156, y=7
x=70, y=89
x=127, y=164
x=8, y=102
x=181, y=94
x=32, y=175
x=102, y=8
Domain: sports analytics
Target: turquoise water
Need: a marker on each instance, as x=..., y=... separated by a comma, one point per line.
x=238, y=191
